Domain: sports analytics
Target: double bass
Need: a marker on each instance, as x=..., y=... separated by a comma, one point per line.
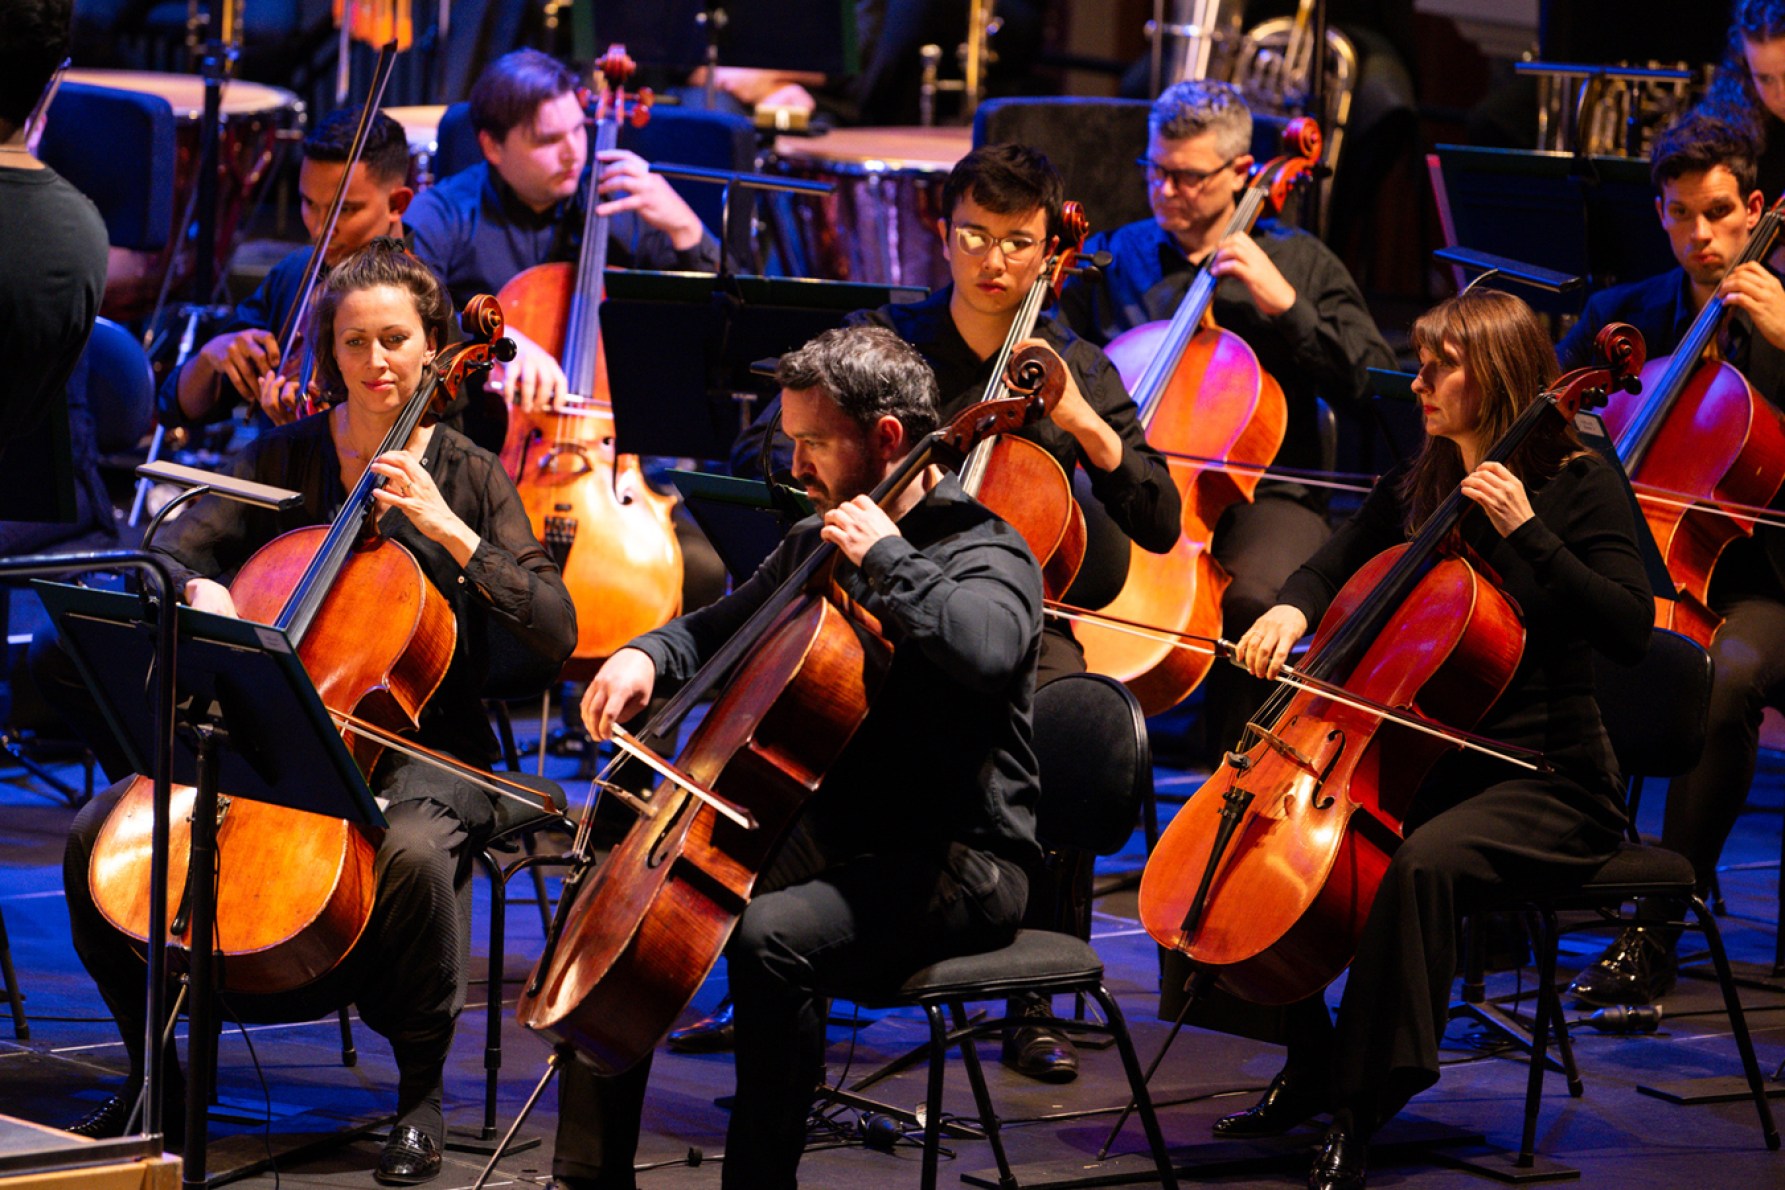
x=610, y=532
x=1268, y=873
x=1700, y=435
x=1202, y=396
x=295, y=890
x=634, y=938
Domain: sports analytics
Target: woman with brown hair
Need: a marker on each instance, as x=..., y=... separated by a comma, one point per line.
x=1556, y=533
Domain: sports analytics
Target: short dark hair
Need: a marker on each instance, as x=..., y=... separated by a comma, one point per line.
x=386, y=155
x=33, y=42
x=1006, y=179
x=509, y=91
x=1699, y=141
x=382, y=262
x=870, y=373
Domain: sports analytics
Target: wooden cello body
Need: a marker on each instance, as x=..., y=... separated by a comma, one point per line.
x=613, y=534
x=1267, y=875
x=1202, y=396
x=635, y=937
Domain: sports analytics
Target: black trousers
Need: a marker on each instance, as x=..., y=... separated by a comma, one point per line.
x=1517, y=837
x=825, y=929
x=1749, y=676
x=407, y=972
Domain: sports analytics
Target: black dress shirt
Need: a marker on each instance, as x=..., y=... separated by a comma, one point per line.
x=476, y=233
x=513, y=611
x=944, y=754
x=1320, y=347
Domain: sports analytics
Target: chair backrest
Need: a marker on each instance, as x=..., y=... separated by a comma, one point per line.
x=117, y=148
x=1096, y=763
x=1655, y=710
x=1092, y=142
x=118, y=384
x=455, y=146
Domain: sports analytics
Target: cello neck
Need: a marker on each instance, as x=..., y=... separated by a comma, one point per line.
x=1187, y=318
x=1027, y=315
x=1645, y=424
x=582, y=335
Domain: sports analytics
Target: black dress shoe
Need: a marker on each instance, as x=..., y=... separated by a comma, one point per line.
x=709, y=1035
x=410, y=1157
x=1039, y=1051
x=1341, y=1162
x=105, y=1121
x=1638, y=968
x=1286, y=1103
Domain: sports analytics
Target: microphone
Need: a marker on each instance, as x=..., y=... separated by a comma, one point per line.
x=1640, y=1018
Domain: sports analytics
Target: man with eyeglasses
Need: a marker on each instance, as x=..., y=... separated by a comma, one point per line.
x=1004, y=205
x=1282, y=291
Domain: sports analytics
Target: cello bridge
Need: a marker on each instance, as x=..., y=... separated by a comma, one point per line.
x=560, y=535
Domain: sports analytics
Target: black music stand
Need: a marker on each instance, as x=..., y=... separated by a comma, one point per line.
x=248, y=719
x=680, y=345
x=743, y=518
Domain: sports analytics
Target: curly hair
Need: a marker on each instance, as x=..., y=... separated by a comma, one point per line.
x=1732, y=96
x=383, y=262
x=870, y=373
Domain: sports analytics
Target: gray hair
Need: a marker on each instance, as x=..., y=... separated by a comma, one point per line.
x=870, y=373
x=1196, y=106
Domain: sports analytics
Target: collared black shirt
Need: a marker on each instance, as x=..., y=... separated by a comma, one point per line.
x=944, y=754
x=1661, y=308
x=1321, y=346
x=476, y=233
x=509, y=583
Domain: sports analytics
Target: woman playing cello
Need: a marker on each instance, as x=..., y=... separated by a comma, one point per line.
x=1555, y=528
x=378, y=319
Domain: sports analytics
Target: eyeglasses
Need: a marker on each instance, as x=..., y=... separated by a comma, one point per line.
x=1184, y=179
x=976, y=241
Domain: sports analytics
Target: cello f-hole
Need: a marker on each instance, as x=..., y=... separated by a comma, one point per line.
x=1314, y=799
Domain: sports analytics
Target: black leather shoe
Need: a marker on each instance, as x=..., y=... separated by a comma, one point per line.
x=1638, y=968
x=1285, y=1104
x=1341, y=1162
x=105, y=1121
x=1039, y=1051
x=410, y=1157
x=709, y=1035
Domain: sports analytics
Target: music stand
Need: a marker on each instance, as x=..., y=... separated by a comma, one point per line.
x=680, y=345
x=248, y=719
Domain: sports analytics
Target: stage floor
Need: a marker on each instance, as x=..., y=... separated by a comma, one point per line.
x=1613, y=1136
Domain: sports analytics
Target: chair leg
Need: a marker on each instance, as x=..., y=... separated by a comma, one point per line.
x=1137, y=1086
x=349, y=1054
x=982, y=1096
x=540, y=894
x=1738, y=1021
x=492, y=1033
x=932, y=1120
x=1542, y=926
x=1548, y=1008
x=21, y=1029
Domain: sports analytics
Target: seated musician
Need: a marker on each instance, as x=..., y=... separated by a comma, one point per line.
x=1004, y=208
x=228, y=368
x=905, y=854
x=524, y=204
x=380, y=315
x=1281, y=290
x=52, y=273
x=1555, y=526
x=1749, y=86
x=1708, y=203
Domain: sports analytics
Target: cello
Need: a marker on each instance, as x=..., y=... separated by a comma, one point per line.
x=610, y=532
x=295, y=890
x=1699, y=432
x=1267, y=875
x=1201, y=393
x=634, y=938
x=1015, y=477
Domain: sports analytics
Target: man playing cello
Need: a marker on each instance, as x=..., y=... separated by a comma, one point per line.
x=1708, y=202
x=905, y=854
